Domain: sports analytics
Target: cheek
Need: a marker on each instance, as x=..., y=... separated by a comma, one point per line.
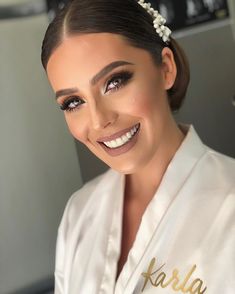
x=77, y=127
x=143, y=104
x=146, y=95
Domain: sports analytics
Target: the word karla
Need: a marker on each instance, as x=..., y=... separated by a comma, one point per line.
x=158, y=278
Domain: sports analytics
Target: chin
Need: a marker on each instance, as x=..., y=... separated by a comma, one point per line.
x=126, y=169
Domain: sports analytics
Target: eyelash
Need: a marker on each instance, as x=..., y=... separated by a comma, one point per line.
x=124, y=75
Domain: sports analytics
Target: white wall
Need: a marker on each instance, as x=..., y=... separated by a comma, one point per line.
x=39, y=167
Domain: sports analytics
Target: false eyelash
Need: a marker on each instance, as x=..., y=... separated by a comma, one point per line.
x=65, y=104
x=124, y=75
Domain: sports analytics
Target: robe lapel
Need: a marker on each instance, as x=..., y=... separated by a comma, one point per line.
x=147, y=239
x=113, y=247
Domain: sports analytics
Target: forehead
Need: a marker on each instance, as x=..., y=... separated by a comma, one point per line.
x=91, y=47
x=79, y=57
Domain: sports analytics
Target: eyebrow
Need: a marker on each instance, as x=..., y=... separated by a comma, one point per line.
x=104, y=71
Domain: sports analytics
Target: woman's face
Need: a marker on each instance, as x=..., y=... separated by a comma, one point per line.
x=114, y=97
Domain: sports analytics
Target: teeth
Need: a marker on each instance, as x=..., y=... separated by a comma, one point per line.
x=125, y=138
x=128, y=135
x=112, y=144
x=121, y=140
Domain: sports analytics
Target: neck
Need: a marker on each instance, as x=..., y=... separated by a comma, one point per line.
x=142, y=185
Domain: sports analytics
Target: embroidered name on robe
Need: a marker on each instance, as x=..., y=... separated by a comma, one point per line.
x=158, y=278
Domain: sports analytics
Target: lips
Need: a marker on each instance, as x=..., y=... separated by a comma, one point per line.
x=123, y=148
x=115, y=136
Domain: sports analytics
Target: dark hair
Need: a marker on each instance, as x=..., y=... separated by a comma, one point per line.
x=126, y=18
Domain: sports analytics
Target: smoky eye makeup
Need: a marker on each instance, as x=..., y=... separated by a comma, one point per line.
x=122, y=76
x=71, y=103
x=117, y=79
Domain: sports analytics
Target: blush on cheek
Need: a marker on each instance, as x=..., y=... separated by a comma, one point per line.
x=75, y=126
x=80, y=136
x=79, y=132
x=141, y=105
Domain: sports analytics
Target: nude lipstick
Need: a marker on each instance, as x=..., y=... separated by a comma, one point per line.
x=120, y=142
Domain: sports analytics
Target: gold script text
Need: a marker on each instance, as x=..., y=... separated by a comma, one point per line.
x=157, y=278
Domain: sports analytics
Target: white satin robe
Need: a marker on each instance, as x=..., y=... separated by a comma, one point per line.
x=187, y=231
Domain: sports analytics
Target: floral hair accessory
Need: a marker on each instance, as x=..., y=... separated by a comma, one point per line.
x=163, y=31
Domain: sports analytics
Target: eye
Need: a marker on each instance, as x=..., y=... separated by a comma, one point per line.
x=71, y=103
x=118, y=80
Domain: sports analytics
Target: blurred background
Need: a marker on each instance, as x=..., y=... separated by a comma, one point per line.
x=41, y=165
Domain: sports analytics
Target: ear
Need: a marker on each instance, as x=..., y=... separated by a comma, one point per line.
x=169, y=68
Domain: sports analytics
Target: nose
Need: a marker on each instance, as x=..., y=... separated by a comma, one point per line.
x=101, y=117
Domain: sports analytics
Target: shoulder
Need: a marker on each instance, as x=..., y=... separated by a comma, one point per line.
x=82, y=198
x=215, y=177
x=225, y=160
x=79, y=210
x=212, y=170
x=219, y=167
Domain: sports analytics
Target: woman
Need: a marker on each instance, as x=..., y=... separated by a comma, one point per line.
x=160, y=220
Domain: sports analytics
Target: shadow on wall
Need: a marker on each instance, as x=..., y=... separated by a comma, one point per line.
x=90, y=165
x=41, y=287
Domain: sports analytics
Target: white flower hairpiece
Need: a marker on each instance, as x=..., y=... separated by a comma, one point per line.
x=163, y=31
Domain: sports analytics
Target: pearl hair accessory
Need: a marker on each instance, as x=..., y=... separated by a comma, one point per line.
x=163, y=31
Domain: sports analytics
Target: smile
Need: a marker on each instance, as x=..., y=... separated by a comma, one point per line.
x=123, y=139
x=120, y=142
